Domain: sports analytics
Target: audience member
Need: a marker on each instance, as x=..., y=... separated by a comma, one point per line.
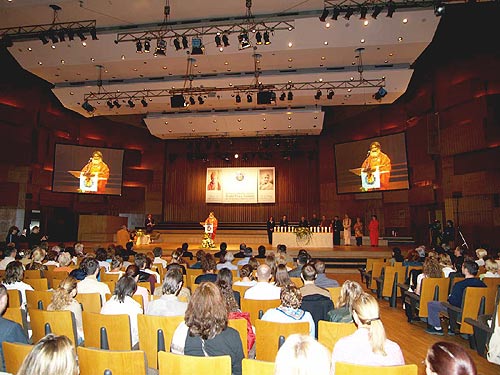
x=322, y=280
x=446, y=265
x=101, y=255
x=52, y=355
x=368, y=345
x=349, y=292
x=208, y=267
x=13, y=236
x=168, y=304
x=247, y=252
x=37, y=257
x=205, y=331
x=184, y=294
x=302, y=355
x=302, y=260
x=289, y=310
x=185, y=252
x=281, y=277
x=13, y=280
x=177, y=258
x=397, y=257
x=158, y=252
x=246, y=278
x=133, y=271
x=9, y=331
x=90, y=284
x=271, y=261
x=116, y=266
x=261, y=252
x=308, y=276
x=226, y=262
x=431, y=268
x=65, y=261
x=446, y=358
x=199, y=255
x=50, y=258
x=491, y=269
x=226, y=276
x=263, y=290
x=281, y=248
x=146, y=274
x=223, y=250
x=481, y=254
x=10, y=253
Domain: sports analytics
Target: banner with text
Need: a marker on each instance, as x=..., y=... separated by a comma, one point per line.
x=240, y=185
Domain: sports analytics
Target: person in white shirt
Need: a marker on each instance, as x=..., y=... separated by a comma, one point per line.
x=90, y=284
x=123, y=303
x=158, y=252
x=168, y=304
x=246, y=276
x=228, y=259
x=14, y=275
x=101, y=256
x=263, y=290
x=491, y=269
x=248, y=255
x=10, y=256
x=133, y=271
x=141, y=262
x=481, y=253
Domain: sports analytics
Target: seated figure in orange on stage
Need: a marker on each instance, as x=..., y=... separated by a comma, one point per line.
x=376, y=159
x=94, y=167
x=212, y=220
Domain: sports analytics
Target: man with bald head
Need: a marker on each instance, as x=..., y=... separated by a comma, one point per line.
x=263, y=290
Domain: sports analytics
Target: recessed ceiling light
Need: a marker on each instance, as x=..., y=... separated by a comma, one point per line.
x=290, y=59
x=30, y=49
x=170, y=130
x=263, y=119
x=325, y=43
x=321, y=79
x=351, y=78
x=323, y=57
x=239, y=120
x=265, y=127
x=84, y=44
x=71, y=93
x=289, y=118
x=405, y=20
x=386, y=61
x=230, y=84
x=214, y=121
x=289, y=126
x=164, y=68
x=92, y=59
x=166, y=122
x=241, y=128
x=362, y=40
x=53, y=46
x=106, y=71
x=62, y=61
x=391, y=54
x=39, y=63
x=290, y=44
x=226, y=63
x=195, y=65
x=123, y=57
x=135, y=69
x=228, y=69
x=400, y=39
x=366, y=22
x=193, y=130
x=327, y=25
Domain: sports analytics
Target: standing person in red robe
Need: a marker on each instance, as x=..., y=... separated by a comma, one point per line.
x=212, y=220
x=373, y=228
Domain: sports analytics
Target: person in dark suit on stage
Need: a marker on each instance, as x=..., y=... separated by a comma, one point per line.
x=270, y=229
x=149, y=224
x=284, y=221
x=314, y=222
x=303, y=222
x=337, y=228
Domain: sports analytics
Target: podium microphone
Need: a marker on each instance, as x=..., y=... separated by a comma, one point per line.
x=368, y=153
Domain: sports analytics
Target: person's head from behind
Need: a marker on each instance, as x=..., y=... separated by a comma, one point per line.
x=470, y=268
x=90, y=266
x=261, y=250
x=302, y=355
x=349, y=292
x=226, y=276
x=253, y=262
x=38, y=254
x=431, y=268
x=206, y=314
x=308, y=273
x=320, y=267
x=140, y=261
x=129, y=245
x=101, y=254
x=52, y=355
x=291, y=296
x=125, y=287
x=446, y=358
x=281, y=277
x=199, y=255
x=10, y=251
x=133, y=271
x=184, y=247
x=246, y=271
x=64, y=259
x=243, y=246
x=4, y=298
x=366, y=314
x=491, y=266
x=228, y=257
x=208, y=263
x=396, y=252
x=64, y=294
x=302, y=259
x=116, y=262
x=158, y=252
x=14, y=272
x=172, y=284
x=263, y=273
x=481, y=253
x=281, y=248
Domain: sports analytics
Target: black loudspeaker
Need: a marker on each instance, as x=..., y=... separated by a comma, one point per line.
x=177, y=101
x=456, y=194
x=266, y=97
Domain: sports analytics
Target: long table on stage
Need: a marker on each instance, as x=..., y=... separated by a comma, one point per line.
x=290, y=240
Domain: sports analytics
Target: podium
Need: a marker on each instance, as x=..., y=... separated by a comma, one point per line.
x=368, y=180
x=209, y=228
x=87, y=183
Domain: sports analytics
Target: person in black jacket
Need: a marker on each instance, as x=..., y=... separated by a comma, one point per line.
x=337, y=228
x=270, y=229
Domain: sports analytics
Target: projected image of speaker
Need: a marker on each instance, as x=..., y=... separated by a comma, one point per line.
x=177, y=101
x=266, y=97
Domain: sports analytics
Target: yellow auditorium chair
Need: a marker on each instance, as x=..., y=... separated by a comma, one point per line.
x=342, y=368
x=38, y=299
x=90, y=302
x=14, y=354
x=38, y=284
x=330, y=332
x=253, y=306
x=334, y=294
x=96, y=362
x=110, y=277
x=14, y=298
x=255, y=367
x=56, y=322
x=32, y=274
x=18, y=315
x=106, y=331
x=241, y=326
x=175, y=364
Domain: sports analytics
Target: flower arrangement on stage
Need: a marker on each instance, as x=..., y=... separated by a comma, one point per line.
x=207, y=242
x=139, y=233
x=303, y=235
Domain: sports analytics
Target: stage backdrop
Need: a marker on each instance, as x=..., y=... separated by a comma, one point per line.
x=240, y=185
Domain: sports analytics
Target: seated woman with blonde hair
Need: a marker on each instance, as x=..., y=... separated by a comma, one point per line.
x=491, y=269
x=64, y=259
x=302, y=355
x=368, y=345
x=52, y=355
x=37, y=256
x=349, y=292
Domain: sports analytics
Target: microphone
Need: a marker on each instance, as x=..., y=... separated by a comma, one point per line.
x=368, y=153
x=90, y=160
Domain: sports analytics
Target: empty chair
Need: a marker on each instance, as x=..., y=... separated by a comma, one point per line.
x=176, y=364
x=38, y=284
x=14, y=354
x=329, y=332
x=90, y=302
x=95, y=361
x=350, y=369
x=14, y=298
x=56, y=322
x=387, y=284
x=106, y=331
x=255, y=367
x=38, y=299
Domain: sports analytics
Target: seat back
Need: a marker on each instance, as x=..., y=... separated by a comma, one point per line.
x=334, y=293
x=116, y=329
x=241, y=289
x=411, y=268
x=147, y=285
x=342, y=368
x=268, y=336
x=492, y=282
x=18, y=315
x=318, y=306
x=371, y=261
x=14, y=298
x=432, y=287
x=155, y=334
x=393, y=276
x=58, y=275
x=38, y=284
x=14, y=354
x=138, y=298
x=111, y=285
x=471, y=307
x=190, y=272
x=175, y=364
x=110, y=277
x=241, y=326
x=329, y=332
x=32, y=274
x=253, y=306
x=56, y=322
x=90, y=302
x=38, y=298
x=297, y=281
x=255, y=367
x=95, y=361
x=376, y=272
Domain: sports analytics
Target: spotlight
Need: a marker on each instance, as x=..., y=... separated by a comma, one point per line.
x=379, y=94
x=117, y=103
x=88, y=107
x=266, y=38
x=323, y=16
x=362, y=13
x=200, y=100
x=238, y=98
x=318, y=94
x=335, y=14
x=138, y=46
x=244, y=41
x=218, y=40
x=61, y=35
x=71, y=34
x=177, y=44
x=147, y=46
x=249, y=98
x=144, y=103
x=52, y=35
x=110, y=104
x=330, y=94
x=80, y=34
x=290, y=95
x=225, y=40
x=198, y=46
x=349, y=12
x=282, y=96
x=258, y=38
x=439, y=9
x=93, y=34
x=376, y=11
x=236, y=156
x=192, y=101
x=185, y=43
x=43, y=38
x=391, y=8
x=161, y=47
x=131, y=103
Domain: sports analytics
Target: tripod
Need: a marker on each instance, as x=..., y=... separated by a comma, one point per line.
x=464, y=242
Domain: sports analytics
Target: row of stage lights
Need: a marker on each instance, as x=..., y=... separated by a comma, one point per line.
x=59, y=35
x=221, y=41
x=363, y=11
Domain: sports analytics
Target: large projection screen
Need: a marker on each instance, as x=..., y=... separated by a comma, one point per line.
x=241, y=185
x=375, y=164
x=87, y=170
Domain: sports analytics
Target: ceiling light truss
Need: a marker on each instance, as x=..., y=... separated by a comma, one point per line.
x=247, y=89
x=32, y=32
x=343, y=5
